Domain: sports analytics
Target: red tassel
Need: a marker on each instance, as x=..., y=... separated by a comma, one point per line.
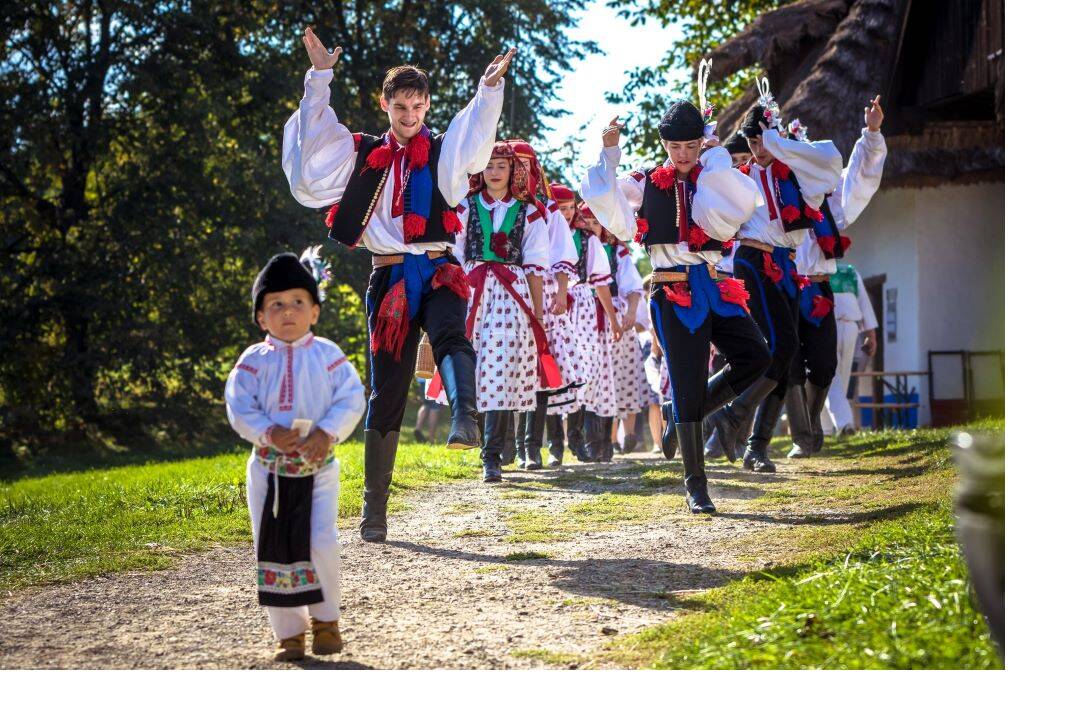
x=771, y=269
x=451, y=222
x=414, y=225
x=789, y=213
x=845, y=243
x=780, y=170
x=678, y=293
x=813, y=213
x=392, y=324
x=356, y=138
x=453, y=277
x=642, y=229
x=663, y=177
x=697, y=240
x=331, y=214
x=827, y=243
x=745, y=168
x=734, y=291
x=417, y=151
x=380, y=157
x=822, y=306
x=726, y=245
x=801, y=281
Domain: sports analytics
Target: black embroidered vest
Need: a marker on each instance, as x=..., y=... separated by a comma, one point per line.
x=474, y=235
x=365, y=186
x=583, y=255
x=613, y=260
x=658, y=208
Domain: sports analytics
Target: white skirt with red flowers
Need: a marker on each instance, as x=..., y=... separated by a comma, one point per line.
x=583, y=362
x=631, y=383
x=507, y=377
x=560, y=335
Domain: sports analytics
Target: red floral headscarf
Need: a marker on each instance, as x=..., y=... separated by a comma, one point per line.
x=519, y=174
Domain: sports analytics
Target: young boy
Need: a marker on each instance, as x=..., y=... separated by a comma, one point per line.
x=294, y=396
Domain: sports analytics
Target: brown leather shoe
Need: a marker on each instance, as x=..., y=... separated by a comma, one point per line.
x=290, y=649
x=326, y=637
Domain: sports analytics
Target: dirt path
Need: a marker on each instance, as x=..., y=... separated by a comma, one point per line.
x=438, y=595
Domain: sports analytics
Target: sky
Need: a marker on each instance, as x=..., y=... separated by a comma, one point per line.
x=582, y=89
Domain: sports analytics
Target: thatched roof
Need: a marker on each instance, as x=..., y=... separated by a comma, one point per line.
x=825, y=60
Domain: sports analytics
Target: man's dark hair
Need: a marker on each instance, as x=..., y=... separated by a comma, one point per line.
x=407, y=78
x=749, y=128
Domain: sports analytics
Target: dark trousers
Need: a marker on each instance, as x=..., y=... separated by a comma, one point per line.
x=441, y=316
x=775, y=313
x=816, y=359
x=737, y=338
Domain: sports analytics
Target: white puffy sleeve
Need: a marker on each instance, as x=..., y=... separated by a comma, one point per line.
x=626, y=273
x=459, y=237
x=349, y=398
x=599, y=269
x=467, y=144
x=317, y=152
x=246, y=414
x=869, y=319
x=818, y=165
x=534, y=246
x=725, y=198
x=613, y=201
x=562, y=254
x=862, y=176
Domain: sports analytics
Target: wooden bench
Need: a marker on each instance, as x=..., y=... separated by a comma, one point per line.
x=900, y=388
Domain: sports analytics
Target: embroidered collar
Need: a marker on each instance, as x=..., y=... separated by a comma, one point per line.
x=490, y=201
x=305, y=341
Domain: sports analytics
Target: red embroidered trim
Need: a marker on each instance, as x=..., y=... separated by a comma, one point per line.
x=767, y=188
x=337, y=363
x=285, y=394
x=242, y=366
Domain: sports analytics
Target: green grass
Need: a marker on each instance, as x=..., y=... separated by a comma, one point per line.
x=898, y=599
x=527, y=555
x=66, y=525
x=548, y=657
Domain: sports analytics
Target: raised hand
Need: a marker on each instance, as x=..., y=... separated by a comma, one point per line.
x=874, y=114
x=498, y=67
x=316, y=51
x=612, y=131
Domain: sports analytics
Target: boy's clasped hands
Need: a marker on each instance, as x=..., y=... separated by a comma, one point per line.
x=314, y=447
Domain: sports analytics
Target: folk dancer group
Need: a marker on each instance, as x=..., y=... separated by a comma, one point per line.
x=533, y=305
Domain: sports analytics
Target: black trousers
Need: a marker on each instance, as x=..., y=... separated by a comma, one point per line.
x=737, y=338
x=816, y=359
x=441, y=316
x=775, y=313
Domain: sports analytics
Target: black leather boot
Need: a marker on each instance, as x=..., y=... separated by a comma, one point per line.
x=757, y=452
x=594, y=431
x=815, y=403
x=717, y=394
x=693, y=456
x=458, y=373
x=575, y=433
x=713, y=448
x=509, y=441
x=733, y=415
x=743, y=435
x=534, y=433
x=669, y=439
x=495, y=423
x=798, y=422
x=555, y=440
x=519, y=440
x=607, y=450
x=379, y=453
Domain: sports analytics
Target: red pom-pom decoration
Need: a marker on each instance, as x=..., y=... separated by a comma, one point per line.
x=417, y=151
x=331, y=214
x=414, y=225
x=789, y=213
x=827, y=243
x=380, y=157
x=845, y=243
x=678, y=293
x=500, y=245
x=745, y=168
x=697, y=240
x=663, y=177
x=780, y=170
x=822, y=306
x=733, y=290
x=801, y=281
x=726, y=245
x=813, y=213
x=771, y=269
x=642, y=229
x=451, y=222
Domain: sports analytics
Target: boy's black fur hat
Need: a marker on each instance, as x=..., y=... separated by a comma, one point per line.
x=283, y=272
x=736, y=143
x=682, y=121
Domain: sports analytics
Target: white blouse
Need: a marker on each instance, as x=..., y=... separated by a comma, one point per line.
x=318, y=155
x=725, y=198
x=534, y=243
x=275, y=382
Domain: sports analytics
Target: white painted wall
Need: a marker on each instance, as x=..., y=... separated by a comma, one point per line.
x=943, y=250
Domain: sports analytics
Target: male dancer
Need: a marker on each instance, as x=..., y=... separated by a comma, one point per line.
x=394, y=194
x=685, y=211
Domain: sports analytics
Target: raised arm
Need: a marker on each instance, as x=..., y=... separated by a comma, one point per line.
x=818, y=165
x=725, y=198
x=862, y=176
x=317, y=152
x=467, y=144
x=612, y=200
